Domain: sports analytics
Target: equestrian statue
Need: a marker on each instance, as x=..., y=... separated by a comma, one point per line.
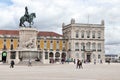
x=28, y=18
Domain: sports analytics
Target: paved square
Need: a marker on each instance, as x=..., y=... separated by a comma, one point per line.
x=61, y=72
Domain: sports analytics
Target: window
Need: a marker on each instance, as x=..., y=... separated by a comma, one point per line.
x=77, y=46
x=46, y=55
x=4, y=40
x=4, y=47
x=38, y=41
x=93, y=34
x=38, y=46
x=77, y=34
x=11, y=47
x=18, y=45
x=82, y=46
x=82, y=34
x=99, y=34
x=88, y=34
x=99, y=56
x=99, y=47
x=63, y=43
x=93, y=46
x=11, y=40
x=51, y=45
x=57, y=45
x=69, y=46
x=88, y=46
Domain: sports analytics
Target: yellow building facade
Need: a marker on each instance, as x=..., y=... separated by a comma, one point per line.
x=49, y=42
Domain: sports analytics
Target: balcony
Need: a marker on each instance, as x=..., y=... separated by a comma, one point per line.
x=76, y=49
x=99, y=50
x=94, y=49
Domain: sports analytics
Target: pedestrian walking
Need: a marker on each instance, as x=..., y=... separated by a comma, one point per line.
x=78, y=64
x=12, y=63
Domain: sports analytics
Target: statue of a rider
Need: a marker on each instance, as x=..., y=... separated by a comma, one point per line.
x=27, y=18
x=26, y=13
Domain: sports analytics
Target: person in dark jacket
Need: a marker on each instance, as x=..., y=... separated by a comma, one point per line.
x=78, y=64
x=12, y=63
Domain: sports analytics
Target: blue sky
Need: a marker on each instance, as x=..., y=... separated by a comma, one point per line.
x=8, y=2
x=52, y=13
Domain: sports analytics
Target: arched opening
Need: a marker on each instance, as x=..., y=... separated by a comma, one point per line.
x=4, y=56
x=51, y=54
x=57, y=56
x=63, y=55
x=51, y=57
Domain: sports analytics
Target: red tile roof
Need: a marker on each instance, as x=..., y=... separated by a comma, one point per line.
x=41, y=33
x=9, y=32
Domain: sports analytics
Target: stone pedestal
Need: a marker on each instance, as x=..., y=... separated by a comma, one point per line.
x=28, y=38
x=28, y=44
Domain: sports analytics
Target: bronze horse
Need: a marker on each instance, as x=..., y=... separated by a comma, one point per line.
x=29, y=19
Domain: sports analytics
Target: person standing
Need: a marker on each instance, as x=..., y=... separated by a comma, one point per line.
x=78, y=63
x=12, y=63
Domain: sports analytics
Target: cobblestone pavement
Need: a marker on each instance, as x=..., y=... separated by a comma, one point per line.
x=61, y=72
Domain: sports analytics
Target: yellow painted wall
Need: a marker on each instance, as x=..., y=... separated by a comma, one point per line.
x=1, y=43
x=54, y=44
x=48, y=44
x=15, y=43
x=8, y=43
x=60, y=44
x=42, y=44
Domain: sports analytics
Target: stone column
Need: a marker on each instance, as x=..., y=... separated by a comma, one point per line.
x=54, y=56
x=17, y=57
x=8, y=57
x=43, y=57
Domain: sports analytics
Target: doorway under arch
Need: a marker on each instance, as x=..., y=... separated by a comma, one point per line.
x=4, y=56
x=51, y=57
